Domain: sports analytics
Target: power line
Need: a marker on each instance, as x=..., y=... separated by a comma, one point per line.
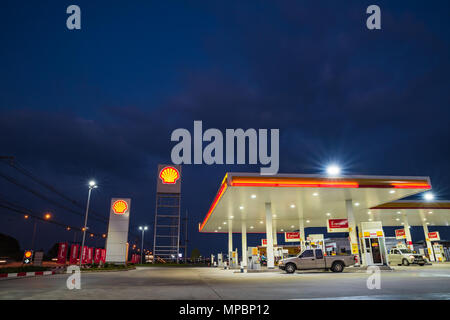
x=10, y=206
x=14, y=164
x=39, y=195
x=27, y=173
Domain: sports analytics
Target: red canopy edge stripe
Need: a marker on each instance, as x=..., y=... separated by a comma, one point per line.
x=317, y=183
x=413, y=205
x=219, y=195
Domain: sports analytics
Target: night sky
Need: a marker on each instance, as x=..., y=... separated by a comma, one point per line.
x=101, y=102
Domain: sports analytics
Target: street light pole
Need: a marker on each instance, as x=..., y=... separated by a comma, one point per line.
x=92, y=185
x=34, y=234
x=142, y=242
x=47, y=216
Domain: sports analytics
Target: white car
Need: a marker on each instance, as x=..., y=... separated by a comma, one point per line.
x=404, y=256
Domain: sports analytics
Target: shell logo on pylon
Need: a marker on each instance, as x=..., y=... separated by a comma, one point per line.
x=120, y=207
x=169, y=175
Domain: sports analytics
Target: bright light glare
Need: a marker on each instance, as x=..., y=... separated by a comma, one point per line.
x=92, y=183
x=333, y=170
x=429, y=196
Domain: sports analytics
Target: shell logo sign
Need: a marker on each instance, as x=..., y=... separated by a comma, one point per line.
x=169, y=175
x=120, y=207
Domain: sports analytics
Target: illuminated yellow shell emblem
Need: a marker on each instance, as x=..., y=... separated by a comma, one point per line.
x=120, y=207
x=169, y=175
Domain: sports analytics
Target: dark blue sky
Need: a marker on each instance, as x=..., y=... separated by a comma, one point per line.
x=101, y=102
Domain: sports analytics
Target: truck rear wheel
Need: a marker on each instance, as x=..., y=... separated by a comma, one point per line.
x=337, y=267
x=290, y=268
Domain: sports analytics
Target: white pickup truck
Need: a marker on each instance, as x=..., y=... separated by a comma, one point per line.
x=314, y=259
x=404, y=256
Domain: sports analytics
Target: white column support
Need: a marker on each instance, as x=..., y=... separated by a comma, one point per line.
x=407, y=233
x=269, y=236
x=244, y=243
x=429, y=245
x=275, y=237
x=352, y=229
x=230, y=241
x=301, y=227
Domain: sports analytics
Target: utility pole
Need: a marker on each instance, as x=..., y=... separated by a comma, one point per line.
x=34, y=234
x=185, y=237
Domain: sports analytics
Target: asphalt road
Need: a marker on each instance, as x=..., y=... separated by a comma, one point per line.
x=428, y=282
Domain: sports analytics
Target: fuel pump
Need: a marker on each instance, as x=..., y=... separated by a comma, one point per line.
x=234, y=258
x=438, y=252
x=220, y=260
x=373, y=247
x=253, y=258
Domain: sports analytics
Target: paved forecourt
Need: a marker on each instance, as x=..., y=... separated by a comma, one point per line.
x=429, y=282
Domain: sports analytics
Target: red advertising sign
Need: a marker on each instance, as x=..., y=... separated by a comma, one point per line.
x=292, y=236
x=74, y=254
x=84, y=255
x=90, y=255
x=400, y=234
x=434, y=236
x=264, y=242
x=62, y=253
x=97, y=255
x=337, y=225
x=134, y=258
x=103, y=256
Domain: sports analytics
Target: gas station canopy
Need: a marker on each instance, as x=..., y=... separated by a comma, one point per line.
x=313, y=198
x=435, y=213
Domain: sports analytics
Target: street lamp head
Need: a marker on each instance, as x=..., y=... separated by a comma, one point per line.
x=428, y=196
x=145, y=228
x=140, y=228
x=333, y=170
x=92, y=184
x=47, y=216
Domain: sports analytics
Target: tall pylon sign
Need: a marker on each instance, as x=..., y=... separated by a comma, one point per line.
x=116, y=243
x=166, y=241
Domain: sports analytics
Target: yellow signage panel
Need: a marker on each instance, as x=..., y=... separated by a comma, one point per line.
x=354, y=248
